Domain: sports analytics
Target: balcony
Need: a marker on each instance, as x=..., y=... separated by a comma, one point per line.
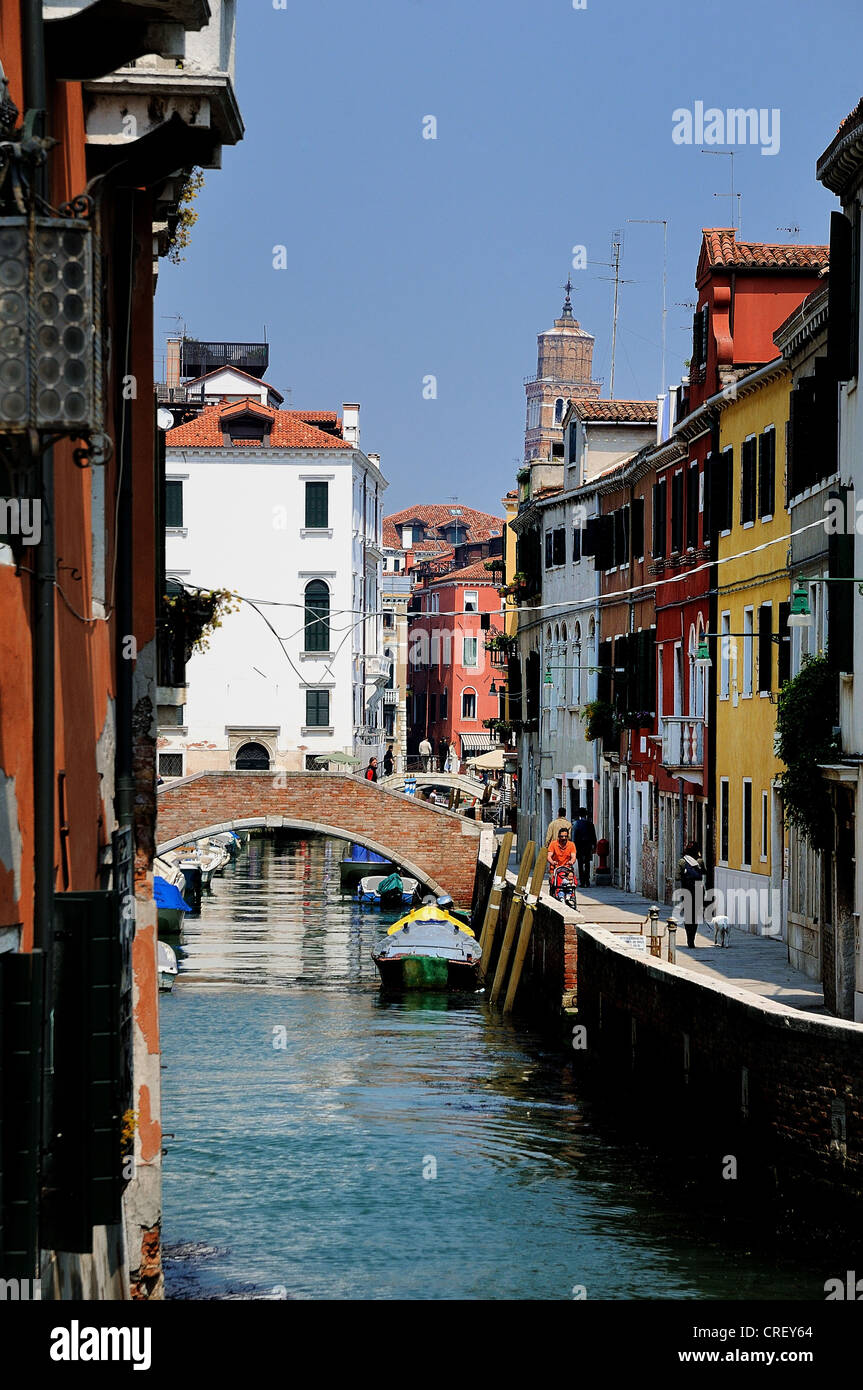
x=683, y=745
x=391, y=697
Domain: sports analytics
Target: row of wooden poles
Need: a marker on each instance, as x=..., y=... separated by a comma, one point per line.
x=519, y=922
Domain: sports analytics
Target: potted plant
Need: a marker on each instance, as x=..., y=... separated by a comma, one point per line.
x=600, y=720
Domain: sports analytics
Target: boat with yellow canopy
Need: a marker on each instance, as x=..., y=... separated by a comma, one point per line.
x=428, y=949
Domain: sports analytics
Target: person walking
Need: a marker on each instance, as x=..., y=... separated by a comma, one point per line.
x=559, y=823
x=452, y=759
x=692, y=871
x=388, y=761
x=426, y=754
x=584, y=839
x=372, y=770
x=562, y=856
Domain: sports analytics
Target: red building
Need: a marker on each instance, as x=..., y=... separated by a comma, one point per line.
x=745, y=290
x=449, y=670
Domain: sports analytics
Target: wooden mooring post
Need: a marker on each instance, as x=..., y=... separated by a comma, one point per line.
x=513, y=919
x=530, y=900
x=492, y=911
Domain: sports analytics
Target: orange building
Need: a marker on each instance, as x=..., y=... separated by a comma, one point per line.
x=79, y=585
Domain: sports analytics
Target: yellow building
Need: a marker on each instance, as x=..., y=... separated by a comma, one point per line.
x=753, y=650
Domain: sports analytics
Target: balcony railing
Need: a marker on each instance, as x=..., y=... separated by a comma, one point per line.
x=391, y=697
x=683, y=741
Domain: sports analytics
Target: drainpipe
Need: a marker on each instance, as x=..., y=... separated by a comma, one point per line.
x=124, y=794
x=43, y=613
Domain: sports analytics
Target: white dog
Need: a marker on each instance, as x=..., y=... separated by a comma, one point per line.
x=721, y=932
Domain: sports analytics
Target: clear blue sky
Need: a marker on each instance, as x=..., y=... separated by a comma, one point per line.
x=409, y=257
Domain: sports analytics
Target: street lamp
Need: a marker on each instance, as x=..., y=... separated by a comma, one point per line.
x=801, y=614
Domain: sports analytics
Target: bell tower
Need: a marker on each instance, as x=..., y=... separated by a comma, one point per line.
x=564, y=362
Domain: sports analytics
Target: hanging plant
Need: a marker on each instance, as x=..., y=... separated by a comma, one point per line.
x=600, y=720
x=198, y=612
x=805, y=718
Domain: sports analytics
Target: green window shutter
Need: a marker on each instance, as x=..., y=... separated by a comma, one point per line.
x=173, y=503
x=317, y=506
x=317, y=708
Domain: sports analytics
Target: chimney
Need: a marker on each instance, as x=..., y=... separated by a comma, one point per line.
x=172, y=362
x=375, y=459
x=660, y=420
x=351, y=424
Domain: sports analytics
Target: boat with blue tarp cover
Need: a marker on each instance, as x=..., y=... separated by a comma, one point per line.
x=359, y=861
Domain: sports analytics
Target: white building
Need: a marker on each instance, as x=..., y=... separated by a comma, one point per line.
x=283, y=509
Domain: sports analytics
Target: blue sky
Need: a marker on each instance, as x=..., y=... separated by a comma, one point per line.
x=408, y=257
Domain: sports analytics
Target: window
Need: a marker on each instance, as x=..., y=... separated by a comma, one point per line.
x=748, y=616
x=637, y=529
x=317, y=709
x=723, y=820
x=170, y=764
x=432, y=708
x=746, y=851
x=621, y=536
x=576, y=674
x=469, y=651
x=576, y=544
x=468, y=704
x=253, y=757
x=783, y=653
x=548, y=551
x=677, y=512
x=699, y=340
x=173, y=504
x=471, y=601
x=765, y=648
x=659, y=517
x=766, y=473
x=443, y=704
x=558, y=546
x=765, y=827
x=317, y=629
x=748, y=472
x=724, y=656
x=317, y=506
x=692, y=505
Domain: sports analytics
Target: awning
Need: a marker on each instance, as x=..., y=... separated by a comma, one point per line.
x=477, y=743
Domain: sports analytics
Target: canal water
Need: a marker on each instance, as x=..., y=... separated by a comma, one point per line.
x=326, y=1142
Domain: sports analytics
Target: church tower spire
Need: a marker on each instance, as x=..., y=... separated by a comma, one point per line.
x=563, y=372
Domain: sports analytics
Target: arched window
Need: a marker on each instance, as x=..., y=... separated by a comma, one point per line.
x=253, y=757
x=576, y=675
x=558, y=410
x=591, y=660
x=317, y=630
x=563, y=632
x=468, y=704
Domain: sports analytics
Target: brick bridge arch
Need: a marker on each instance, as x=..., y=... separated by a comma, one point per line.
x=436, y=846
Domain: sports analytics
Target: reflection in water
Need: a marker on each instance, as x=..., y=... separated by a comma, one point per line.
x=335, y=1143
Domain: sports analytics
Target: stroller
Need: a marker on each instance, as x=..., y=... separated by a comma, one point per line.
x=562, y=886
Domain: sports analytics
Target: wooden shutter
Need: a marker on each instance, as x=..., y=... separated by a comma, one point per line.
x=840, y=347
x=692, y=506
x=783, y=655
x=548, y=551
x=317, y=509
x=173, y=503
x=659, y=518
x=603, y=675
x=728, y=480
x=637, y=523
x=748, y=462
x=765, y=647
x=591, y=537
x=559, y=546
x=677, y=512
x=576, y=544
x=766, y=473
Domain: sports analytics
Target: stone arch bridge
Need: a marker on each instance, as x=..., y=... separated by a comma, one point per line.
x=443, y=781
x=431, y=844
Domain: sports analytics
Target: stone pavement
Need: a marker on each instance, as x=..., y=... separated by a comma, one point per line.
x=756, y=963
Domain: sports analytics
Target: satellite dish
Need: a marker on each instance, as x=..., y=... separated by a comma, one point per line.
x=164, y=419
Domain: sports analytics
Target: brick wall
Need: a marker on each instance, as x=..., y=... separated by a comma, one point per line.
x=440, y=845
x=778, y=1089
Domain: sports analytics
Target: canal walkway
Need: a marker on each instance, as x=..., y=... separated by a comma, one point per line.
x=756, y=963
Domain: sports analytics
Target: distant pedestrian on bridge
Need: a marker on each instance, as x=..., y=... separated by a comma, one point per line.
x=426, y=754
x=372, y=770
x=388, y=761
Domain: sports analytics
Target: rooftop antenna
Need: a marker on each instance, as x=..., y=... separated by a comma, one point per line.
x=614, y=264
x=663, y=223
x=729, y=154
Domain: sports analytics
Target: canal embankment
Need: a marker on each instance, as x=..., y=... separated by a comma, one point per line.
x=763, y=1097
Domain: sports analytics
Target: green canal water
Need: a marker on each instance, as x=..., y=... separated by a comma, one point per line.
x=330, y=1143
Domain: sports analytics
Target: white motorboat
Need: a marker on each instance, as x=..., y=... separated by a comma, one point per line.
x=167, y=966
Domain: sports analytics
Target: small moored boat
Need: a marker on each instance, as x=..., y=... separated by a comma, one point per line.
x=357, y=863
x=428, y=949
x=167, y=966
x=389, y=891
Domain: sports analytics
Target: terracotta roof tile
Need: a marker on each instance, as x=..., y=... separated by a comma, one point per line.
x=723, y=249
x=476, y=571
x=481, y=526
x=637, y=412
x=291, y=429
